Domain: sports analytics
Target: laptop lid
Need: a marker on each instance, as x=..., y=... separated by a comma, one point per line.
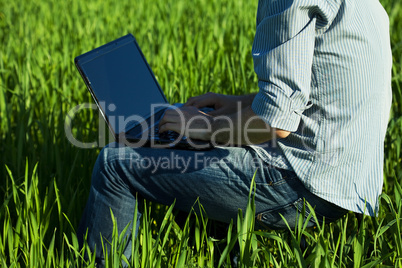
x=121, y=83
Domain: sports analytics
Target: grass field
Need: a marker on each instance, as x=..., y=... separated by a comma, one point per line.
x=193, y=47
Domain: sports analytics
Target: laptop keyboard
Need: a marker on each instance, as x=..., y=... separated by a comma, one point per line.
x=171, y=135
x=167, y=135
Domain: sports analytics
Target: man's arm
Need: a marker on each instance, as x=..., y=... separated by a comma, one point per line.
x=234, y=124
x=222, y=104
x=243, y=128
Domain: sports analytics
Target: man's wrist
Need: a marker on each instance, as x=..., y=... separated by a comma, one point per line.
x=221, y=130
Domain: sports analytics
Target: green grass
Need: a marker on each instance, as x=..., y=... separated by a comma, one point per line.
x=193, y=47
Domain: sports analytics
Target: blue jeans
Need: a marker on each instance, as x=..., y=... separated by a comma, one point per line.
x=220, y=178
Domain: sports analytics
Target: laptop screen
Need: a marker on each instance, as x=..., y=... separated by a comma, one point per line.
x=122, y=82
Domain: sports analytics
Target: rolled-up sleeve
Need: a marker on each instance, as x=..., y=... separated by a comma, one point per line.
x=283, y=52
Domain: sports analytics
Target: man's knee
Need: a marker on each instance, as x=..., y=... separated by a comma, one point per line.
x=110, y=166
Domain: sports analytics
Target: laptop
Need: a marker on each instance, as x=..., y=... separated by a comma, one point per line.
x=128, y=95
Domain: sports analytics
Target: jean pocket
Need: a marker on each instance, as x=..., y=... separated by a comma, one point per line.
x=274, y=218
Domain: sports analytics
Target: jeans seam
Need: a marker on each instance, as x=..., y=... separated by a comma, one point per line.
x=280, y=182
x=259, y=216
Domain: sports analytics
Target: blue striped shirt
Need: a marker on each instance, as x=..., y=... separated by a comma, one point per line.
x=324, y=71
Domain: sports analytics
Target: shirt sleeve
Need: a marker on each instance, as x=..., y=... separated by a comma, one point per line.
x=283, y=52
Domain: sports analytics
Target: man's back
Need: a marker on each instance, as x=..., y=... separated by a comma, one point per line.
x=330, y=66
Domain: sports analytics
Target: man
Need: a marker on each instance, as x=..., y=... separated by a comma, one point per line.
x=314, y=131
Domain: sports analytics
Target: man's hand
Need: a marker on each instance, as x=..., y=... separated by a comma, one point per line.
x=188, y=121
